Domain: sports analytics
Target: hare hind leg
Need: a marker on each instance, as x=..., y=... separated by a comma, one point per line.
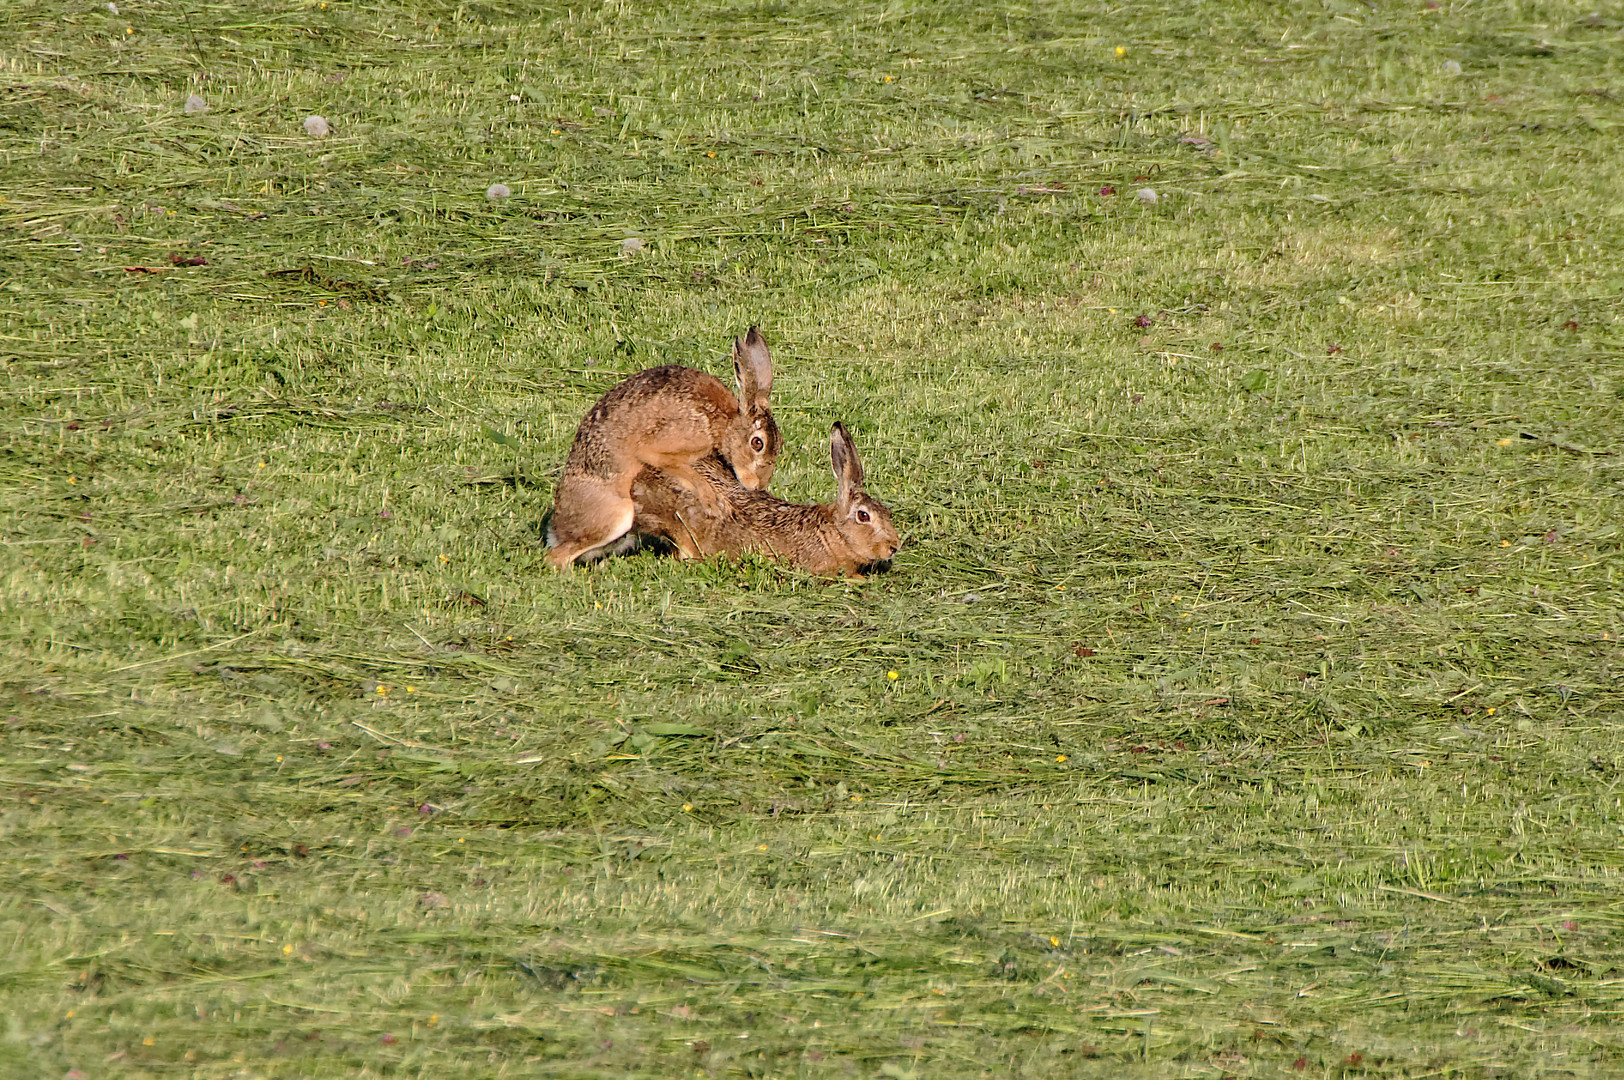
x=687, y=541
x=589, y=515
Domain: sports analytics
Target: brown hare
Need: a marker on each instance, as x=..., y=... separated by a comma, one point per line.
x=666, y=418
x=847, y=536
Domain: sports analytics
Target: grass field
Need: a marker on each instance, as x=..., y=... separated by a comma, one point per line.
x=1247, y=381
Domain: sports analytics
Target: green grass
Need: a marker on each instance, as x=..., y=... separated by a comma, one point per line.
x=1256, y=707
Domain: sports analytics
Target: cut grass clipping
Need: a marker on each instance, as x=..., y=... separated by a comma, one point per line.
x=1244, y=701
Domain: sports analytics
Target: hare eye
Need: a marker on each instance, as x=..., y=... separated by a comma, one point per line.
x=862, y=515
x=758, y=444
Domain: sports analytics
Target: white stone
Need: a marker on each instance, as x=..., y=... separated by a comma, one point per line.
x=317, y=127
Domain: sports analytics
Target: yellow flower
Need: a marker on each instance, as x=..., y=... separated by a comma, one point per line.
x=710, y=153
x=1502, y=442
x=382, y=689
x=1505, y=543
x=892, y=675
x=444, y=557
x=1060, y=757
x=1121, y=50
x=1053, y=940
x=287, y=950
x=687, y=806
x=761, y=847
x=888, y=78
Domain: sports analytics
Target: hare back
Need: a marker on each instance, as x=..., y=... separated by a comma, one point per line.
x=659, y=416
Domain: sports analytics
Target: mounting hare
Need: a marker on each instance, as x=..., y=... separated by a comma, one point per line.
x=666, y=418
x=849, y=535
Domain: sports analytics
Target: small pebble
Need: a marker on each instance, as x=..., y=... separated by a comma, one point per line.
x=971, y=598
x=498, y=191
x=317, y=127
x=1451, y=67
x=631, y=244
x=1146, y=195
x=195, y=104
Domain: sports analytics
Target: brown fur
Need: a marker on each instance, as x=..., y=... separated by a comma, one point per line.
x=826, y=538
x=665, y=418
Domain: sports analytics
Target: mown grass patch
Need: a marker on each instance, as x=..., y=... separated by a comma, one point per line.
x=1244, y=701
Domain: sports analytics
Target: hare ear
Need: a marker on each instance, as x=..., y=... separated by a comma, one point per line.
x=753, y=368
x=848, y=469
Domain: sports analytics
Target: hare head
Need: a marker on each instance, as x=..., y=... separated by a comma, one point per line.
x=863, y=521
x=752, y=442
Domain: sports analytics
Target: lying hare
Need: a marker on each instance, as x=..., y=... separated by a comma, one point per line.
x=666, y=418
x=849, y=535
